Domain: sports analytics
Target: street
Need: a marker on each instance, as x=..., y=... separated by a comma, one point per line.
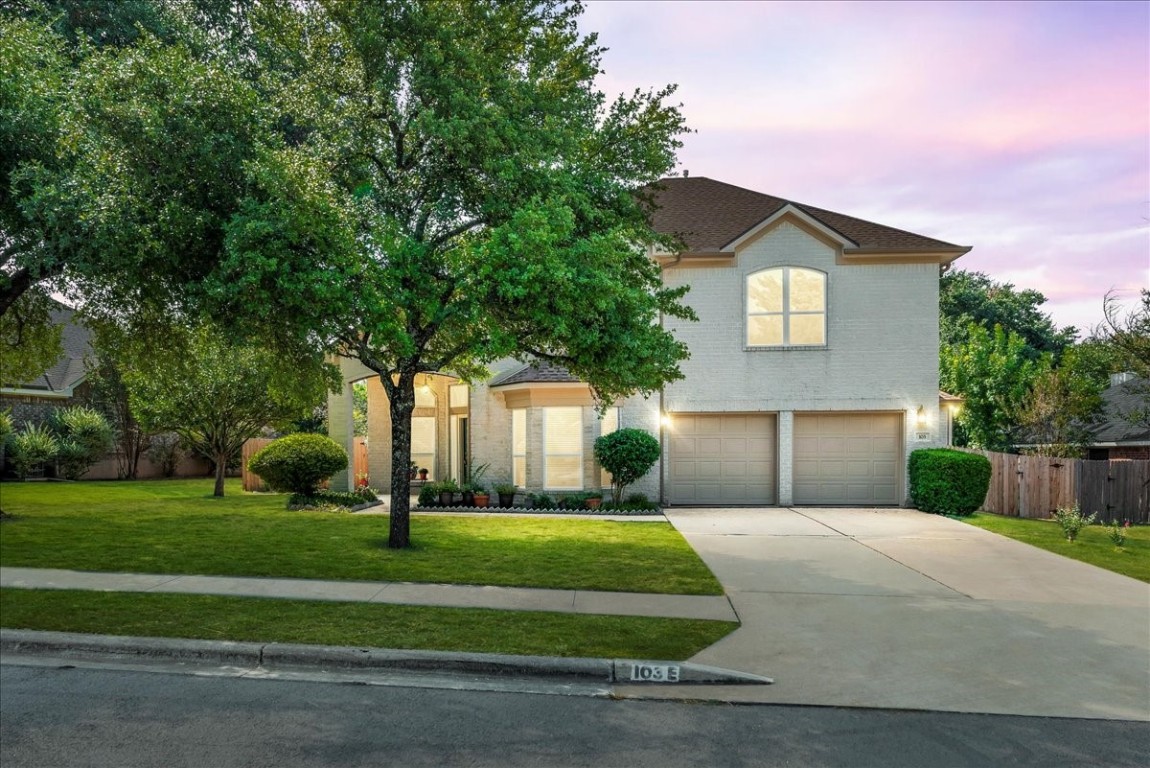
x=57, y=717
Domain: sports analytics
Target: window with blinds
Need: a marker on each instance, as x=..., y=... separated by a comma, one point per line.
x=519, y=447
x=563, y=448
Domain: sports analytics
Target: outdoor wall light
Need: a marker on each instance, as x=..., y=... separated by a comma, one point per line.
x=666, y=420
x=920, y=417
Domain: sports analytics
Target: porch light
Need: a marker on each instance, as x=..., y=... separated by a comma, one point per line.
x=666, y=420
x=920, y=417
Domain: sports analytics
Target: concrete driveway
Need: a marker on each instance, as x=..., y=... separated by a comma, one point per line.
x=900, y=609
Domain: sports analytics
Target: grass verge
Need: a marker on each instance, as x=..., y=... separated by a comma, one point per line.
x=209, y=617
x=177, y=526
x=1092, y=546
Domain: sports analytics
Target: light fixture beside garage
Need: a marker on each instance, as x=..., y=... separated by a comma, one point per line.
x=666, y=420
x=920, y=418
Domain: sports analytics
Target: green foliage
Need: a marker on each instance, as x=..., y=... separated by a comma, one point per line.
x=540, y=501
x=1117, y=533
x=165, y=453
x=215, y=394
x=1061, y=406
x=6, y=428
x=627, y=454
x=84, y=436
x=325, y=500
x=428, y=495
x=972, y=298
x=948, y=482
x=298, y=463
x=29, y=339
x=31, y=449
x=1072, y=520
x=359, y=408
x=993, y=372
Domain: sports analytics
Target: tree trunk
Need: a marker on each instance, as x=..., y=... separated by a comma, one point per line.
x=221, y=470
x=401, y=405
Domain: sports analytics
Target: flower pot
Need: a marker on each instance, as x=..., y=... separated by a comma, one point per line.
x=468, y=499
x=507, y=499
x=593, y=503
x=423, y=474
x=446, y=498
x=482, y=499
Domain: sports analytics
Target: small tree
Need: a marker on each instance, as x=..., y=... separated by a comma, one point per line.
x=215, y=394
x=84, y=437
x=298, y=463
x=627, y=454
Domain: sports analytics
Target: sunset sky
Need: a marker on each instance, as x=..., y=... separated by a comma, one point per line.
x=1021, y=129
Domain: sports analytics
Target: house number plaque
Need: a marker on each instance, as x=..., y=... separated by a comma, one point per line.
x=654, y=673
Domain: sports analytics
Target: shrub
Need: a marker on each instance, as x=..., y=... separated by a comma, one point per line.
x=325, y=500
x=428, y=495
x=1072, y=520
x=165, y=453
x=84, y=436
x=572, y=501
x=1117, y=533
x=298, y=463
x=32, y=449
x=948, y=482
x=627, y=454
x=542, y=501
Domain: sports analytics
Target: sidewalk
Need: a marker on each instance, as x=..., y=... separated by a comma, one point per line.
x=441, y=595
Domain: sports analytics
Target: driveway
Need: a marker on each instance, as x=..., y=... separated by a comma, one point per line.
x=900, y=609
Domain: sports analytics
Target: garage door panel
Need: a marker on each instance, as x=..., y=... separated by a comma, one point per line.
x=722, y=459
x=848, y=458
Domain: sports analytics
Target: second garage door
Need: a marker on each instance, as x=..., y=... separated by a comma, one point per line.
x=722, y=459
x=848, y=458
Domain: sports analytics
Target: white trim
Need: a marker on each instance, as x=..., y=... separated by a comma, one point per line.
x=55, y=394
x=806, y=218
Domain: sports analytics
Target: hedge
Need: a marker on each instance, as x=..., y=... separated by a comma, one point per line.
x=948, y=482
x=298, y=463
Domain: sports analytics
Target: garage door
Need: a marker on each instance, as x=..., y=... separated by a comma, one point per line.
x=848, y=458
x=722, y=459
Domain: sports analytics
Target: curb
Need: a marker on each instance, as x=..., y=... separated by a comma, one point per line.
x=74, y=645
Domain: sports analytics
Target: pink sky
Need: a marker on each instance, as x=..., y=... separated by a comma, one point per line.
x=1022, y=129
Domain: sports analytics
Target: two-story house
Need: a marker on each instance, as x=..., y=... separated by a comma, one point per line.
x=813, y=369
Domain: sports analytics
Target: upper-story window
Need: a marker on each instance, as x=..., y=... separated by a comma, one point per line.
x=787, y=307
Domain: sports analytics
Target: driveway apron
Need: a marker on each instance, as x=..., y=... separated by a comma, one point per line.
x=900, y=609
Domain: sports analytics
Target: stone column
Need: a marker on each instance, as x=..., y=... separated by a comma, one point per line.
x=786, y=427
x=341, y=428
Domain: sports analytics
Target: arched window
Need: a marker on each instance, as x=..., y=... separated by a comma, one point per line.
x=787, y=307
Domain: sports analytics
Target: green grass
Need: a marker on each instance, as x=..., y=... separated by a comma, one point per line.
x=357, y=624
x=176, y=526
x=1092, y=546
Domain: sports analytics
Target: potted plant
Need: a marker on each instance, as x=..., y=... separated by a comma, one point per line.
x=482, y=497
x=447, y=491
x=506, y=493
x=468, y=491
x=593, y=499
x=423, y=474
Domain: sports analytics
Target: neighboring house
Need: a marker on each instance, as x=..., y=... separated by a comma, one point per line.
x=62, y=384
x=813, y=370
x=1117, y=436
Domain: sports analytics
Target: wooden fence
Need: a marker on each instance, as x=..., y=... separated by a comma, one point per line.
x=1034, y=486
x=252, y=482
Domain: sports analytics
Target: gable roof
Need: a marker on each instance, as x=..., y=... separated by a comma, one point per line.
x=70, y=369
x=709, y=216
x=1122, y=398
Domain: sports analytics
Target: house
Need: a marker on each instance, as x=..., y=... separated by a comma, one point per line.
x=1120, y=434
x=61, y=385
x=813, y=369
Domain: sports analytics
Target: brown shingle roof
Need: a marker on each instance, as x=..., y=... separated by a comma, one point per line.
x=538, y=372
x=708, y=215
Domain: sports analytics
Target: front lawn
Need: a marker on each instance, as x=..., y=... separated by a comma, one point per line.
x=1092, y=546
x=209, y=617
x=176, y=526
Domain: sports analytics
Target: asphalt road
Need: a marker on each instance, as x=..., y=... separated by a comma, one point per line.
x=55, y=717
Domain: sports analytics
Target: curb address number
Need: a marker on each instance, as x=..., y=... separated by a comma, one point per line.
x=654, y=673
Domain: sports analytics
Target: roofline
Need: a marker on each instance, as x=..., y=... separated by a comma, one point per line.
x=806, y=218
x=536, y=384
x=51, y=393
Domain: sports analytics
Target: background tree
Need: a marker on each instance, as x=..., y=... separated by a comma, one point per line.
x=1127, y=335
x=1062, y=405
x=994, y=374
x=967, y=298
x=215, y=394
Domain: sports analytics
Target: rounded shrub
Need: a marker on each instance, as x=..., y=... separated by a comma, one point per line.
x=32, y=449
x=948, y=482
x=298, y=463
x=627, y=454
